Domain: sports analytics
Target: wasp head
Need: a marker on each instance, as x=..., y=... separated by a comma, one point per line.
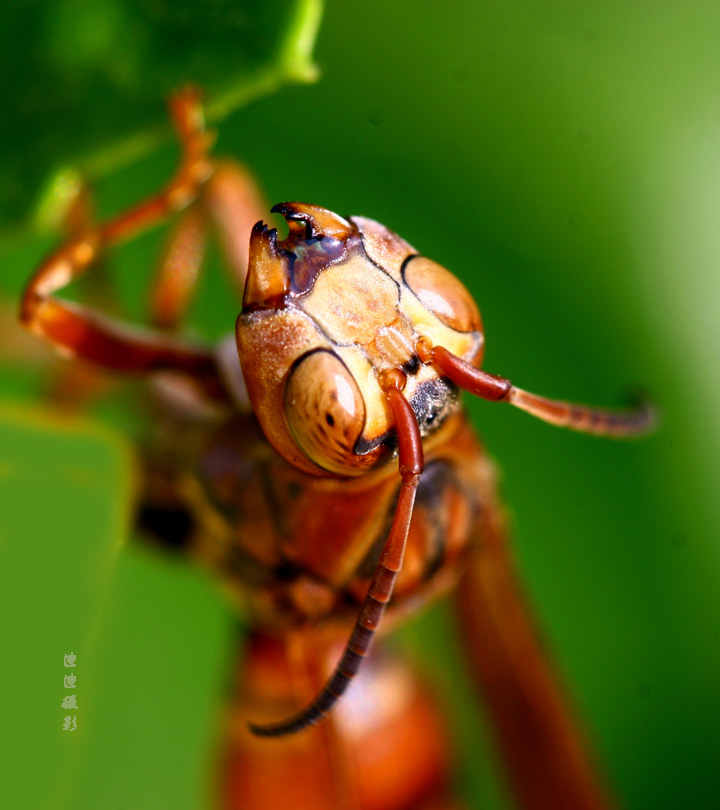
x=327, y=311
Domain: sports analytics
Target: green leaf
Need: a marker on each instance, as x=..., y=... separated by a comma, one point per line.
x=65, y=488
x=85, y=84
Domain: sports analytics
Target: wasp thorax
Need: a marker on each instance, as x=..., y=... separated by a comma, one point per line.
x=326, y=312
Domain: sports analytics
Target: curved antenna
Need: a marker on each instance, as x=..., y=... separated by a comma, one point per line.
x=598, y=421
x=381, y=588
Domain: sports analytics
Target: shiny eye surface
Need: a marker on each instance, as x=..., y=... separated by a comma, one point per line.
x=442, y=294
x=325, y=411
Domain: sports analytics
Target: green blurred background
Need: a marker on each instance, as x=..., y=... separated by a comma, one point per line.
x=564, y=160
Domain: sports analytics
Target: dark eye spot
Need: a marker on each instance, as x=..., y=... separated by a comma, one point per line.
x=329, y=419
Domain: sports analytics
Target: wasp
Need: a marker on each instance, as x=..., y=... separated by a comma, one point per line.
x=319, y=461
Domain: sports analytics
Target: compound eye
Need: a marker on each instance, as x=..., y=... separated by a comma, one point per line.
x=325, y=411
x=442, y=294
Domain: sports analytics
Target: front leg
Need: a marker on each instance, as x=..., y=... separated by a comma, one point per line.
x=82, y=332
x=547, y=757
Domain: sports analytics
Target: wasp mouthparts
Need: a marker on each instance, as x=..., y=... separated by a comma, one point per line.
x=269, y=269
x=313, y=221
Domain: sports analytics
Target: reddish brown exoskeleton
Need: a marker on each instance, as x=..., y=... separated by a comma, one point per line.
x=365, y=494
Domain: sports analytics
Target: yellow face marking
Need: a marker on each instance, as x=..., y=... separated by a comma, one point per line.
x=351, y=301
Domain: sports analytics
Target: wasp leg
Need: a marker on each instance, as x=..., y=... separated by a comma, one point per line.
x=546, y=755
x=72, y=386
x=234, y=204
x=82, y=331
x=179, y=268
x=231, y=204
